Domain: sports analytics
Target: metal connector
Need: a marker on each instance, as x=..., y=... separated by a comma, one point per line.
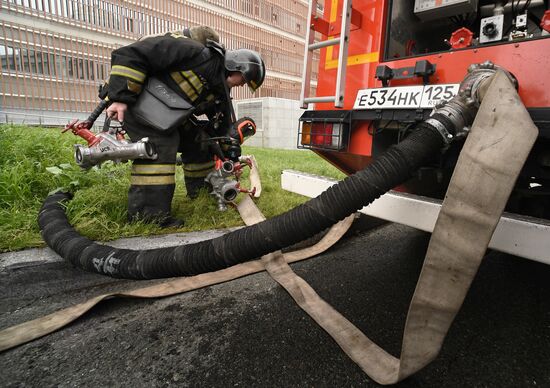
x=461, y=110
x=111, y=148
x=224, y=189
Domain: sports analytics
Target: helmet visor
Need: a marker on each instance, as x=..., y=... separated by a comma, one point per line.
x=254, y=75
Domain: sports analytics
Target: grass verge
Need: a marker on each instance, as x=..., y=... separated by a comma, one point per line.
x=36, y=161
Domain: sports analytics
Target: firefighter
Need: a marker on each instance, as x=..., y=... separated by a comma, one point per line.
x=202, y=74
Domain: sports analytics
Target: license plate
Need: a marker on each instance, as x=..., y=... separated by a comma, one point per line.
x=405, y=97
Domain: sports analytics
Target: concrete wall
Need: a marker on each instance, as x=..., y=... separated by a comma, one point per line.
x=276, y=120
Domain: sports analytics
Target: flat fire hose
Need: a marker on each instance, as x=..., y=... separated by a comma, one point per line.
x=31, y=330
x=493, y=155
x=255, y=181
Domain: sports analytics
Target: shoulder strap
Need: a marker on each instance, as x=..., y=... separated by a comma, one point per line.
x=228, y=97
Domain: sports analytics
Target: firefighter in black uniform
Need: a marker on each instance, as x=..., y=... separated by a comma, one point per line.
x=202, y=74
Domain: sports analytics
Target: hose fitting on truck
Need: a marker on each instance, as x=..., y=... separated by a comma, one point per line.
x=452, y=118
x=389, y=170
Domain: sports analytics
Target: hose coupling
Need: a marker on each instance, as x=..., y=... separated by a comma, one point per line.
x=453, y=118
x=477, y=80
x=224, y=189
x=111, y=148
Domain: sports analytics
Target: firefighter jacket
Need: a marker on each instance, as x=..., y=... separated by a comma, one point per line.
x=193, y=70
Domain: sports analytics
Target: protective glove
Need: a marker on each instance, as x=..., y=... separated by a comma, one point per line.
x=244, y=128
x=232, y=151
x=103, y=91
x=208, y=145
x=241, y=130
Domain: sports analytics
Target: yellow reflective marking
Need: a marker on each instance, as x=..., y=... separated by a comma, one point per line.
x=134, y=86
x=177, y=34
x=197, y=166
x=128, y=72
x=176, y=76
x=197, y=174
x=184, y=85
x=333, y=11
x=193, y=79
x=358, y=59
x=352, y=59
x=154, y=168
x=148, y=180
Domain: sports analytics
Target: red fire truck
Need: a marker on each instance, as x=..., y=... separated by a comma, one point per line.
x=384, y=66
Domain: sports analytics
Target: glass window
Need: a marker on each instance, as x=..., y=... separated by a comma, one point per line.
x=56, y=7
x=32, y=61
x=70, y=67
x=91, y=67
x=18, y=59
x=51, y=64
x=100, y=71
x=25, y=59
x=7, y=57
x=47, y=64
x=81, y=73
x=39, y=63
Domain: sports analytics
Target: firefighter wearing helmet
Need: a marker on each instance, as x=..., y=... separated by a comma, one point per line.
x=197, y=68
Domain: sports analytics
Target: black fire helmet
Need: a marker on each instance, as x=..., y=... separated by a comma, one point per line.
x=249, y=64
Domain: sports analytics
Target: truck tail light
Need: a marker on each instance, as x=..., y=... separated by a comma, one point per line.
x=306, y=132
x=324, y=130
x=321, y=134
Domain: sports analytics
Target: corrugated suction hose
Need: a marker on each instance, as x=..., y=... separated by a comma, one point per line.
x=339, y=201
x=351, y=194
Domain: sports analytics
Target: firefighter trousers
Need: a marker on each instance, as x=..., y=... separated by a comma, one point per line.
x=152, y=182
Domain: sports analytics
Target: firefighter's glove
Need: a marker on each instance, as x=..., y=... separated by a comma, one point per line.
x=207, y=145
x=103, y=91
x=232, y=151
x=244, y=128
x=241, y=130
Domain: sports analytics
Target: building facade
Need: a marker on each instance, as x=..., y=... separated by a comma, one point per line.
x=55, y=53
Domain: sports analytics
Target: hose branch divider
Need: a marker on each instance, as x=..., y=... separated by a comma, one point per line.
x=351, y=194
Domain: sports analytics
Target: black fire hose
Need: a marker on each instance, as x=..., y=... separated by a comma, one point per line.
x=351, y=194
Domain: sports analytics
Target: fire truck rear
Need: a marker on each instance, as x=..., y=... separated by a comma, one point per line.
x=384, y=65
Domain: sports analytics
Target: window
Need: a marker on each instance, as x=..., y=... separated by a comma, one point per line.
x=70, y=68
x=91, y=75
x=80, y=68
x=25, y=60
x=7, y=58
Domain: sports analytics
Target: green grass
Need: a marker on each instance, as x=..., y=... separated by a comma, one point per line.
x=36, y=161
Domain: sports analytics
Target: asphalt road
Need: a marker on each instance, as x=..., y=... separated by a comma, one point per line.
x=250, y=333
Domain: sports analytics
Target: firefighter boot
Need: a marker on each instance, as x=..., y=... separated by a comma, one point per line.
x=150, y=194
x=194, y=185
x=194, y=174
